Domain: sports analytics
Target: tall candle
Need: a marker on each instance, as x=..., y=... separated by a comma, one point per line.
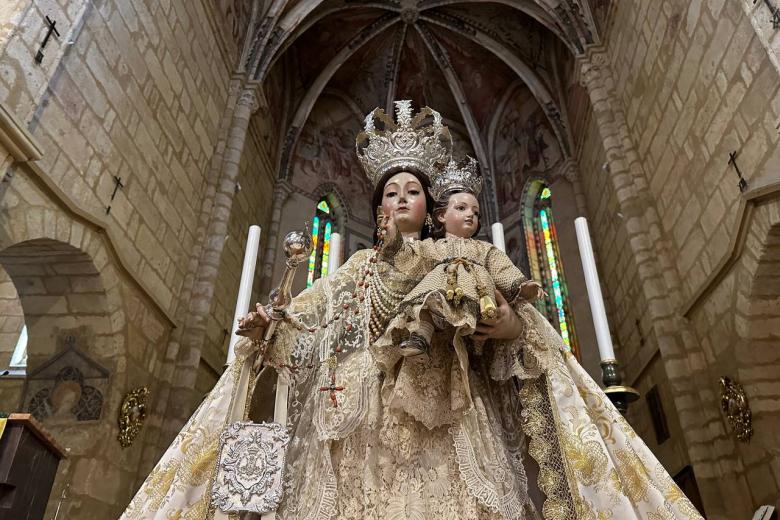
x=498, y=236
x=604, y=340
x=334, y=260
x=245, y=286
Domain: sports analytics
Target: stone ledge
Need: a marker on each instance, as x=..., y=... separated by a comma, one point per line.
x=61, y=198
x=19, y=142
x=747, y=205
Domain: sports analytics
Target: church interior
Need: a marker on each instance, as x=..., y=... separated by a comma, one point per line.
x=140, y=140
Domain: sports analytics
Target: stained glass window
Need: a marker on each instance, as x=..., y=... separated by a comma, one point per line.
x=545, y=261
x=321, y=229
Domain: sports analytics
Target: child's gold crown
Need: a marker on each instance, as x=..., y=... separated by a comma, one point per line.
x=464, y=176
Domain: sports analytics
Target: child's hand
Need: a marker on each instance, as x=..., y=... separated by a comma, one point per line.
x=391, y=227
x=532, y=291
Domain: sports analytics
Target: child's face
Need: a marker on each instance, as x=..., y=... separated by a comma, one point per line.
x=461, y=218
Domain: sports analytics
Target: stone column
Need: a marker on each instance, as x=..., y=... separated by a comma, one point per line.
x=628, y=181
x=193, y=335
x=694, y=400
x=571, y=173
x=165, y=420
x=281, y=193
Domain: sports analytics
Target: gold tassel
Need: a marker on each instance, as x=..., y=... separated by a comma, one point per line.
x=488, y=308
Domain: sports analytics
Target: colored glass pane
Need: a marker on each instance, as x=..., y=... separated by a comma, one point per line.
x=545, y=193
x=555, y=280
x=325, y=250
x=315, y=231
x=323, y=206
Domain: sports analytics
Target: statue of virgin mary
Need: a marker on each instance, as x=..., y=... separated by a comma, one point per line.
x=519, y=432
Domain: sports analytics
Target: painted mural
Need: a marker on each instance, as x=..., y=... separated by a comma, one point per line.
x=237, y=13
x=370, y=65
x=335, y=32
x=422, y=81
x=600, y=10
x=525, y=146
x=519, y=32
x=481, y=74
x=326, y=153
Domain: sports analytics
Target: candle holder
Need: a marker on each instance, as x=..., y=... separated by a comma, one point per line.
x=621, y=396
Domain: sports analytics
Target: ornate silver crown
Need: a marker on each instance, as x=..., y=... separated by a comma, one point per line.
x=421, y=142
x=464, y=175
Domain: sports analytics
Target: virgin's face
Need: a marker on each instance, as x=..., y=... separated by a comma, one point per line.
x=461, y=218
x=404, y=197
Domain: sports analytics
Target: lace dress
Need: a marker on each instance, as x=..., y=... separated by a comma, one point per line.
x=462, y=277
x=536, y=438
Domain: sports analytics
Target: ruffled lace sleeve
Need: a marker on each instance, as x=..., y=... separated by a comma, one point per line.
x=536, y=351
x=507, y=277
x=308, y=309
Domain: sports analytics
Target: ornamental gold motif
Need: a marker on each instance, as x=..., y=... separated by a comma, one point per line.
x=132, y=415
x=420, y=142
x=464, y=175
x=734, y=403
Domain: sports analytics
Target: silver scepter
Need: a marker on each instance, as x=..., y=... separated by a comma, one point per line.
x=297, y=247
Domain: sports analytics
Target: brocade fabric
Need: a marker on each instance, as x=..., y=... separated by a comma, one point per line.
x=521, y=432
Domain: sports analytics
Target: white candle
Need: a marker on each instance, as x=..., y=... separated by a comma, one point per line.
x=334, y=260
x=245, y=287
x=498, y=236
x=604, y=340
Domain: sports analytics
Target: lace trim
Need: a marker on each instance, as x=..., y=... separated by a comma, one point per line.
x=328, y=497
x=539, y=425
x=395, y=389
x=534, y=353
x=511, y=505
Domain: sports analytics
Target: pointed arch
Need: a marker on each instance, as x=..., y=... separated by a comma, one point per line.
x=319, y=84
x=328, y=219
x=544, y=259
x=524, y=71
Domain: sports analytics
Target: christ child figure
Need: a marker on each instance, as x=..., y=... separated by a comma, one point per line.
x=468, y=274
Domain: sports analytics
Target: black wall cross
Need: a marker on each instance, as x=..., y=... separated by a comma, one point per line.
x=117, y=185
x=733, y=162
x=775, y=13
x=52, y=29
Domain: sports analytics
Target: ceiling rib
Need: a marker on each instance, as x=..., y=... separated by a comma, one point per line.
x=392, y=79
x=525, y=72
x=542, y=14
x=442, y=59
x=307, y=103
x=289, y=36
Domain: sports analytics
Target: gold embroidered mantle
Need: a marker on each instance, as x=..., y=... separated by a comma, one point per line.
x=373, y=456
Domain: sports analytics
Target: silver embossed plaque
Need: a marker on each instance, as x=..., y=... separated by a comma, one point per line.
x=249, y=474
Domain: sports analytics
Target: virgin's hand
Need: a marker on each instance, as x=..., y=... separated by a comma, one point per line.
x=506, y=325
x=390, y=226
x=253, y=325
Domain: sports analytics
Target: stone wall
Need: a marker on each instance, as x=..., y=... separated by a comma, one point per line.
x=11, y=323
x=252, y=205
x=71, y=281
x=138, y=94
x=11, y=319
x=739, y=326
x=694, y=82
x=135, y=90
